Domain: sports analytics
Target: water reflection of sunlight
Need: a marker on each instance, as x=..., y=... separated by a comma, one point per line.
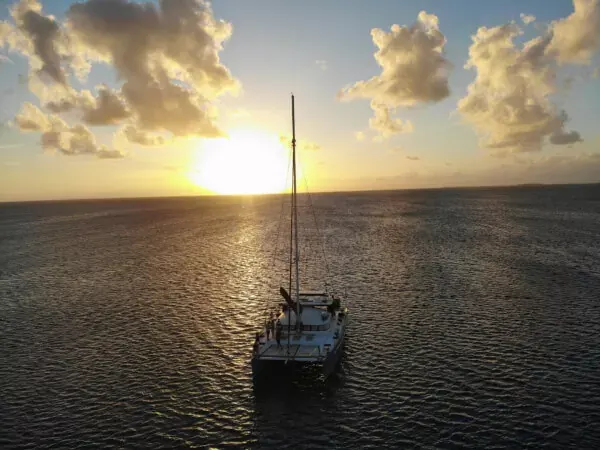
x=245, y=284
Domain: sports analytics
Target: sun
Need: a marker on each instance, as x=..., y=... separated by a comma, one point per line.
x=248, y=161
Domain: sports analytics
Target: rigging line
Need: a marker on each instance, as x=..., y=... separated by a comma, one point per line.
x=311, y=206
x=283, y=198
x=275, y=250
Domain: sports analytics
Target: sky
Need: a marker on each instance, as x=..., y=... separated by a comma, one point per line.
x=111, y=98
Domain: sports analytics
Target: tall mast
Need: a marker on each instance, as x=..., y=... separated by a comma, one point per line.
x=295, y=217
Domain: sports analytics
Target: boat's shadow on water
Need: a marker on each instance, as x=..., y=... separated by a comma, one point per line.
x=290, y=400
x=297, y=381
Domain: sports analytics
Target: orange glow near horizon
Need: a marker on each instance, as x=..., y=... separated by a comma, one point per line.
x=249, y=161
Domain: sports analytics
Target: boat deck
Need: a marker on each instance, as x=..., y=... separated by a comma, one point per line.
x=295, y=351
x=306, y=346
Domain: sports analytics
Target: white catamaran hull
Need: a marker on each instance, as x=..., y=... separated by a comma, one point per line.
x=335, y=355
x=262, y=364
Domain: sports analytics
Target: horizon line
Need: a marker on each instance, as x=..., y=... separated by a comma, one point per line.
x=156, y=197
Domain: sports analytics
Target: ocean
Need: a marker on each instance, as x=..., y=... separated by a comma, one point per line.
x=475, y=321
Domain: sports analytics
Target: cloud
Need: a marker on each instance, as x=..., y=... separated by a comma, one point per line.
x=413, y=71
x=300, y=143
x=565, y=138
x=310, y=146
x=166, y=57
x=4, y=59
x=108, y=109
x=76, y=140
x=509, y=102
x=57, y=135
x=576, y=37
x=56, y=98
x=37, y=36
x=385, y=124
x=527, y=18
x=133, y=135
x=165, y=106
x=360, y=136
x=31, y=118
x=529, y=168
x=5, y=32
x=60, y=105
x=321, y=63
x=413, y=158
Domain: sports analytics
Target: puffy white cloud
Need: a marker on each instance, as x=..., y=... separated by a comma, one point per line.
x=565, y=138
x=413, y=70
x=57, y=98
x=166, y=106
x=360, y=136
x=509, y=102
x=60, y=105
x=31, y=118
x=166, y=57
x=57, y=135
x=75, y=140
x=107, y=109
x=37, y=36
x=527, y=18
x=576, y=37
x=5, y=31
x=385, y=124
x=135, y=136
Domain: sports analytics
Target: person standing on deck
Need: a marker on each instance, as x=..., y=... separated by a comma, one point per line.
x=256, y=345
x=278, y=333
x=271, y=325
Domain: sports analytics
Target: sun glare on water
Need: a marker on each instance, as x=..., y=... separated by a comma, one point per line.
x=246, y=162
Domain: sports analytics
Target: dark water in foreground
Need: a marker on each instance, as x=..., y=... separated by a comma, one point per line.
x=475, y=321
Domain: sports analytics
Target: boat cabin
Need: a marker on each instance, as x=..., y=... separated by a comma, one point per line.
x=315, y=299
x=312, y=318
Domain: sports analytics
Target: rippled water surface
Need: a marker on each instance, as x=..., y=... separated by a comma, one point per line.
x=475, y=322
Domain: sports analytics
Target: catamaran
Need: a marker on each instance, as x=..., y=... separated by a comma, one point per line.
x=310, y=326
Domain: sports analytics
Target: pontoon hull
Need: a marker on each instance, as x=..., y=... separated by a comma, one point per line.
x=333, y=358
x=262, y=367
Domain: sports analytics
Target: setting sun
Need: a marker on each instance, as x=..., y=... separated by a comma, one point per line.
x=246, y=162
